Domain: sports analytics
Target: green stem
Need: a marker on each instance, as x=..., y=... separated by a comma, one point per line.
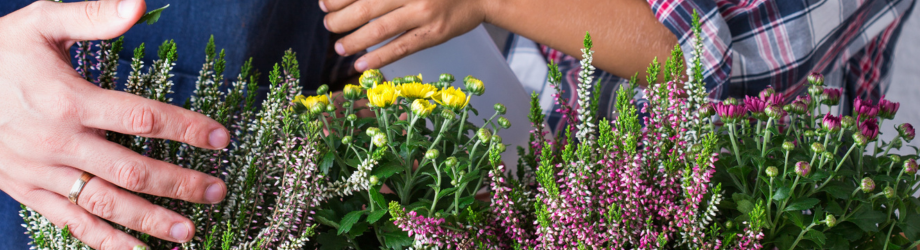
x=766, y=138
x=759, y=125
x=731, y=134
x=437, y=190
x=796, y=242
x=785, y=165
x=839, y=164
x=875, y=152
x=896, y=137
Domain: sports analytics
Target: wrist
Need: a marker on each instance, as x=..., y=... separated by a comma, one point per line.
x=491, y=9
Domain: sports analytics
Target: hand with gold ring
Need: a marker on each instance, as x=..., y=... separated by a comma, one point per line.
x=52, y=124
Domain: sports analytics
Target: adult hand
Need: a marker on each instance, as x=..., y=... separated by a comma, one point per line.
x=423, y=23
x=52, y=124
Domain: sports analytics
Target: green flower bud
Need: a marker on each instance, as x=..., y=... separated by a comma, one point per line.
x=462, y=173
x=706, y=110
x=772, y=171
x=346, y=140
x=895, y=158
x=828, y=155
x=474, y=86
x=847, y=121
x=139, y=247
x=322, y=90
x=484, y=135
x=448, y=78
x=330, y=108
x=867, y=185
x=447, y=114
x=774, y=111
x=729, y=224
x=380, y=140
x=451, y=162
x=500, y=108
x=346, y=104
x=351, y=92
x=860, y=139
x=453, y=182
x=370, y=78
x=317, y=108
x=810, y=133
x=374, y=180
x=830, y=220
x=432, y=154
x=815, y=79
x=496, y=139
x=416, y=78
x=400, y=80
x=788, y=146
x=351, y=117
x=372, y=131
x=731, y=101
x=500, y=147
x=815, y=90
x=441, y=85
x=817, y=147
x=504, y=122
x=889, y=192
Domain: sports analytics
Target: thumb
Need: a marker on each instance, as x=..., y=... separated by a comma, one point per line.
x=91, y=20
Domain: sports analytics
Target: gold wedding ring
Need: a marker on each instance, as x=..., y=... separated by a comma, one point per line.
x=78, y=187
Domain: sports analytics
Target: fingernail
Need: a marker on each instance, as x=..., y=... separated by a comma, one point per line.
x=218, y=138
x=340, y=49
x=361, y=65
x=214, y=193
x=325, y=24
x=127, y=8
x=179, y=231
x=322, y=6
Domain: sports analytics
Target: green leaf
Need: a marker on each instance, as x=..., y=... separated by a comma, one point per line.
x=397, y=240
x=328, y=159
x=802, y=204
x=349, y=220
x=387, y=170
x=781, y=193
x=745, y=206
x=834, y=208
x=796, y=218
x=152, y=17
x=911, y=226
x=329, y=240
x=446, y=192
x=327, y=217
x=376, y=215
x=816, y=237
x=358, y=229
x=868, y=220
x=838, y=191
x=378, y=198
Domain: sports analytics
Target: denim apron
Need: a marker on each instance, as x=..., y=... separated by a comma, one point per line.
x=257, y=29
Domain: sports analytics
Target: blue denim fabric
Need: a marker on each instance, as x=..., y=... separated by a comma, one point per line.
x=261, y=29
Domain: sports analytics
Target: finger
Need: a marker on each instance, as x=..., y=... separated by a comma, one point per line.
x=91, y=230
x=114, y=204
x=410, y=42
x=137, y=173
x=87, y=20
x=375, y=32
x=357, y=14
x=130, y=114
x=334, y=5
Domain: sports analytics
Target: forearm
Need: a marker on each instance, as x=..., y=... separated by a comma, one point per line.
x=626, y=34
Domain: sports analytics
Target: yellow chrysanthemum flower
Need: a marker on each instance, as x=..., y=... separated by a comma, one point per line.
x=422, y=107
x=452, y=97
x=416, y=90
x=311, y=101
x=383, y=95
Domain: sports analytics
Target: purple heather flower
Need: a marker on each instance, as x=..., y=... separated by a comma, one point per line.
x=730, y=112
x=906, y=131
x=910, y=166
x=831, y=96
x=864, y=108
x=867, y=185
x=802, y=168
x=869, y=128
x=887, y=109
x=831, y=123
x=815, y=78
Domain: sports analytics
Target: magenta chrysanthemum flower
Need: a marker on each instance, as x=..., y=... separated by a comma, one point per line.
x=865, y=108
x=907, y=131
x=831, y=96
x=815, y=78
x=730, y=112
x=831, y=123
x=755, y=105
x=802, y=168
x=887, y=109
x=869, y=128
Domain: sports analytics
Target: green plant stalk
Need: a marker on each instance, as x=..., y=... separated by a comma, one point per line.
x=758, y=132
x=404, y=193
x=839, y=140
x=460, y=128
x=766, y=138
x=796, y=242
x=386, y=120
x=770, y=201
x=875, y=151
x=323, y=135
x=860, y=163
x=785, y=165
x=896, y=137
x=731, y=134
x=437, y=190
x=779, y=211
x=835, y=170
x=412, y=122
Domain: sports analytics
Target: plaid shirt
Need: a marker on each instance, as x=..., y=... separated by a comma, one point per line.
x=749, y=45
